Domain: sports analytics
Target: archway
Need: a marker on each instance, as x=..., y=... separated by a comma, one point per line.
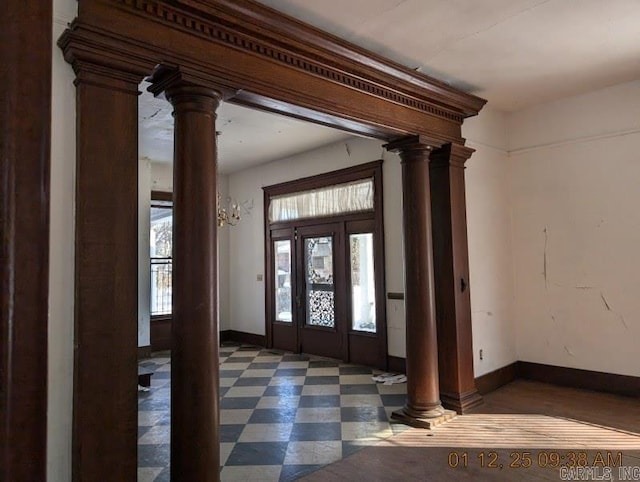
x=201, y=53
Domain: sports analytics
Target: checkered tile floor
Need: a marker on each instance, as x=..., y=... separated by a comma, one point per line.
x=282, y=415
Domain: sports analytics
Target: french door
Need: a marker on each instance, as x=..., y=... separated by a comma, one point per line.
x=325, y=291
x=320, y=294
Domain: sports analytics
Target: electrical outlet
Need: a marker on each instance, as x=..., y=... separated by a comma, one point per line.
x=481, y=354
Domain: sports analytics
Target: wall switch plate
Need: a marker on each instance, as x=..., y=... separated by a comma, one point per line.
x=259, y=277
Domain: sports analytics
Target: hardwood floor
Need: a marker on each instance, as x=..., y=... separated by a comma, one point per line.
x=523, y=396
x=524, y=431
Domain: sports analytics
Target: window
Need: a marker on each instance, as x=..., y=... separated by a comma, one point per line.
x=343, y=198
x=161, y=246
x=283, y=302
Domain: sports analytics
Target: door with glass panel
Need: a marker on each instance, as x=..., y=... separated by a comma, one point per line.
x=365, y=310
x=282, y=294
x=321, y=295
x=326, y=282
x=325, y=292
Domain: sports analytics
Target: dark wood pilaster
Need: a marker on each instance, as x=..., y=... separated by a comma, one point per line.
x=25, y=136
x=451, y=267
x=423, y=396
x=195, y=422
x=106, y=281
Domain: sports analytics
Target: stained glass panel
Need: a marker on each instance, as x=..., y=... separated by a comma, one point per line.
x=319, y=281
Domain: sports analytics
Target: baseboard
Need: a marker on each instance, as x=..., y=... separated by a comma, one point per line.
x=160, y=332
x=397, y=364
x=144, y=352
x=493, y=380
x=242, y=337
x=232, y=335
x=576, y=378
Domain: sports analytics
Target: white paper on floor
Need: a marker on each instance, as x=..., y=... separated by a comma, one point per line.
x=389, y=378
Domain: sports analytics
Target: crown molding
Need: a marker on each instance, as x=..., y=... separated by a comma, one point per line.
x=246, y=46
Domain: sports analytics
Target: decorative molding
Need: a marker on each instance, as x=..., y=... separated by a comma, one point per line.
x=197, y=24
x=479, y=144
x=577, y=140
x=450, y=154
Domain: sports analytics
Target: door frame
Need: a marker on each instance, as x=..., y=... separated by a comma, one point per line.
x=371, y=170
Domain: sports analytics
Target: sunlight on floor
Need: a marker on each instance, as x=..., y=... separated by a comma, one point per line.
x=523, y=431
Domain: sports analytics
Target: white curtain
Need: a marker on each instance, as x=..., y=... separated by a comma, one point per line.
x=327, y=201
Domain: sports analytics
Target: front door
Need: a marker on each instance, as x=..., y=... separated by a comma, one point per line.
x=324, y=245
x=320, y=297
x=325, y=286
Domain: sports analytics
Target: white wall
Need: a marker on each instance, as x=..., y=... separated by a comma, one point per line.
x=61, y=259
x=223, y=262
x=161, y=177
x=489, y=233
x=247, y=238
x=490, y=247
x=576, y=230
x=144, y=271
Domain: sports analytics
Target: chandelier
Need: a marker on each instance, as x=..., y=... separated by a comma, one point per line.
x=230, y=212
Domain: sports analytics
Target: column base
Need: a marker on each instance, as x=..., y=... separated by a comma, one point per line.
x=461, y=402
x=423, y=420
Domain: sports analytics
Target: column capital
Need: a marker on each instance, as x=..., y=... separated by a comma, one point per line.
x=415, y=144
x=99, y=63
x=175, y=82
x=451, y=154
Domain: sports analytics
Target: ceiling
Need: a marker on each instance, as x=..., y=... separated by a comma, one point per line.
x=514, y=53
x=246, y=137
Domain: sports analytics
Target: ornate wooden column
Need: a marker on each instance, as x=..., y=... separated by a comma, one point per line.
x=105, y=396
x=25, y=135
x=106, y=285
x=194, y=349
x=423, y=408
x=451, y=267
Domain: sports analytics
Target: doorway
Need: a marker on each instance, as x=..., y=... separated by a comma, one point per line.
x=325, y=265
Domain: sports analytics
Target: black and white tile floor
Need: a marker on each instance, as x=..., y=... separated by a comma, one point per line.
x=282, y=415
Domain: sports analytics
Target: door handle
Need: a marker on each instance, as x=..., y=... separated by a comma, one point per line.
x=463, y=285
